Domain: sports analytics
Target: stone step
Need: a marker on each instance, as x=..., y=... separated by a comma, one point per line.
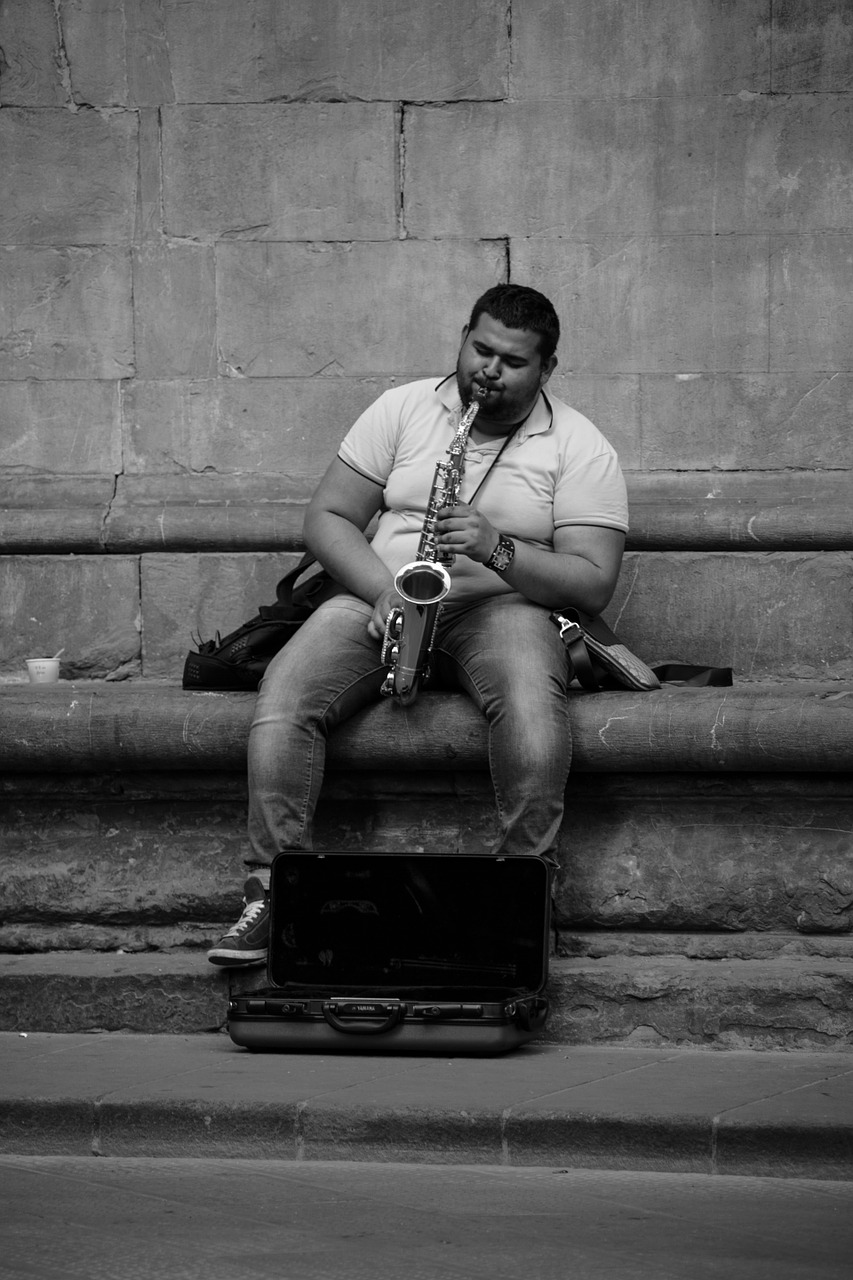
x=791, y=1001
x=779, y=1115
x=137, y=859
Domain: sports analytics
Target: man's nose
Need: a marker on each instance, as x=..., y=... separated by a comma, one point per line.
x=493, y=368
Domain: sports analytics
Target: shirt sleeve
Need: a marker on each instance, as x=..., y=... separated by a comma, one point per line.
x=370, y=445
x=592, y=491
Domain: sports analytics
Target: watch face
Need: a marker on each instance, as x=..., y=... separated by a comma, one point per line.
x=502, y=555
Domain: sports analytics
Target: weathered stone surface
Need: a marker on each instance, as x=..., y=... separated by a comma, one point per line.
x=811, y=321
x=730, y=862
x=759, y=420
x=630, y=303
x=66, y=428
x=139, y=870
x=679, y=606
x=30, y=62
x=760, y=727
x=634, y=166
x=288, y=428
x=612, y=402
x=740, y=510
x=725, y=1005
x=316, y=49
x=88, y=605
x=202, y=511
x=644, y=49
x=307, y=171
x=293, y=310
x=693, y=607
x=117, y=51
x=49, y=513
x=77, y=992
x=728, y=1005
x=174, y=310
x=172, y=513
x=75, y=177
x=65, y=313
x=812, y=44
x=148, y=228
x=667, y=606
x=183, y=596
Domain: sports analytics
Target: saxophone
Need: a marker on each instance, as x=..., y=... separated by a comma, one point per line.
x=424, y=582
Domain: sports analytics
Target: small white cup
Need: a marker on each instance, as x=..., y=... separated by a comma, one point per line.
x=43, y=670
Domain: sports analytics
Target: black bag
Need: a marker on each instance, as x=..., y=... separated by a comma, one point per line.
x=600, y=660
x=240, y=659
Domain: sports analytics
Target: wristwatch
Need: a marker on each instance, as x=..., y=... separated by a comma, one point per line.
x=502, y=556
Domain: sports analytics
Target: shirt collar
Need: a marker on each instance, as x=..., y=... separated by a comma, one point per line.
x=540, y=416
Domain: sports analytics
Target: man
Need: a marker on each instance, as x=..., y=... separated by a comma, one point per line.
x=541, y=524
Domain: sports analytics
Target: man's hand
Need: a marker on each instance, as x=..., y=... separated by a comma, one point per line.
x=390, y=599
x=466, y=532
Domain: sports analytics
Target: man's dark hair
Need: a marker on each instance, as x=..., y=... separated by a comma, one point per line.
x=518, y=307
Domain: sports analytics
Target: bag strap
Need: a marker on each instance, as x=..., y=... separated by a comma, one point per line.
x=600, y=660
x=284, y=589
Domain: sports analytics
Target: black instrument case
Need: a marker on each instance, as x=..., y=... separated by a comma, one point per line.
x=401, y=953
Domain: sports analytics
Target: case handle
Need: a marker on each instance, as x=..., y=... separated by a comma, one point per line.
x=357, y=1017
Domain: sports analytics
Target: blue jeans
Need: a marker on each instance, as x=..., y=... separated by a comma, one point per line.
x=503, y=652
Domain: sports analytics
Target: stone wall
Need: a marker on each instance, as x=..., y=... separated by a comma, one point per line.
x=226, y=225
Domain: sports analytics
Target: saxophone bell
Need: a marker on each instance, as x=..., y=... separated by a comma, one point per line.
x=409, y=631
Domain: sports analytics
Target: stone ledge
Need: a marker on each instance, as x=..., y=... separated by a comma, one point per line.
x=670, y=511
x=794, y=1003
x=89, y=727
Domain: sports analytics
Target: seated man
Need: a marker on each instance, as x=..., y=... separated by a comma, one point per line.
x=540, y=523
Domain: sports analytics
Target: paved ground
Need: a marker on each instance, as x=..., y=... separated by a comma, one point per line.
x=136, y=1219
x=762, y=1114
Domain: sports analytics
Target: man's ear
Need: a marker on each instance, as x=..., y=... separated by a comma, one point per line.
x=547, y=369
x=464, y=335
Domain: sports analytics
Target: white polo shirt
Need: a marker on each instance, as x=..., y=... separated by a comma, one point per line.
x=557, y=470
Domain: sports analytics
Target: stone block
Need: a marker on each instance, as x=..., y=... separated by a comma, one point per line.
x=812, y=46
x=63, y=427
x=117, y=51
x=262, y=50
x=185, y=596
x=792, y=510
x=65, y=313
x=293, y=309
x=289, y=426
x=70, y=178
x=54, y=513
x=650, y=166
x=30, y=63
x=797, y=165
x=743, y=854
x=811, y=320
x=612, y=403
x=174, y=304
x=89, y=605
x=188, y=512
x=750, y=854
x=93, y=35
x=148, y=228
x=640, y=304
x=647, y=49
x=734, y=421
x=293, y=171
x=779, y=615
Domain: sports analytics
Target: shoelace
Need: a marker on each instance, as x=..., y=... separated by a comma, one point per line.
x=251, y=911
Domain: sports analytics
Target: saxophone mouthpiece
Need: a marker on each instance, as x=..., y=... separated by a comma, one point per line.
x=482, y=392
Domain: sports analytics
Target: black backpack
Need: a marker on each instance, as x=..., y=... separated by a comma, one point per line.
x=240, y=659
